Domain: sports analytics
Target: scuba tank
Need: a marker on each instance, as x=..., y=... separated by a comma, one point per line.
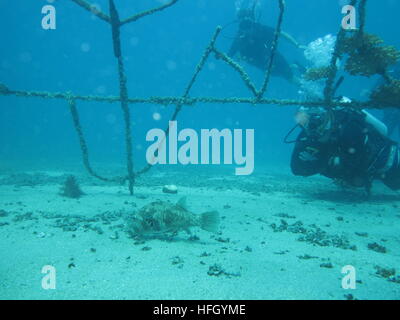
x=376, y=123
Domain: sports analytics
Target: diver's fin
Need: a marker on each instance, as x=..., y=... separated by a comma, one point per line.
x=209, y=221
x=182, y=203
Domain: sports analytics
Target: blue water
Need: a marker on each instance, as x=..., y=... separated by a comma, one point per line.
x=53, y=60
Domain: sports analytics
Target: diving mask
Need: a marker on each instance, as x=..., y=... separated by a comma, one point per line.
x=315, y=121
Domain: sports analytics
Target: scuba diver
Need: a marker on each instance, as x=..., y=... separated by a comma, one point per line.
x=347, y=145
x=253, y=43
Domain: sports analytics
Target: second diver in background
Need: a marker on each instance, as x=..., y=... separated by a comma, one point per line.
x=253, y=43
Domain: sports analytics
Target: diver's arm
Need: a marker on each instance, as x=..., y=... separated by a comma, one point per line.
x=303, y=167
x=307, y=159
x=292, y=40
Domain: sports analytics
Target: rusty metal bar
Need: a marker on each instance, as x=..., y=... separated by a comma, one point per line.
x=274, y=48
x=115, y=28
x=92, y=8
x=137, y=16
x=189, y=101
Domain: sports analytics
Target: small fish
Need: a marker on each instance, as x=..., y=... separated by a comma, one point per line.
x=161, y=217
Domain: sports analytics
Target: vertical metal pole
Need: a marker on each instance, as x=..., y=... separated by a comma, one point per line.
x=329, y=89
x=274, y=47
x=115, y=27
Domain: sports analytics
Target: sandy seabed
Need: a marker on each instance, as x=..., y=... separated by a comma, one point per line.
x=281, y=237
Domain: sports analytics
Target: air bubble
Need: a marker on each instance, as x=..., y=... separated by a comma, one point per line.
x=85, y=47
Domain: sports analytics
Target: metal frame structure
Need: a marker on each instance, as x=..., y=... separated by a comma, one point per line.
x=185, y=100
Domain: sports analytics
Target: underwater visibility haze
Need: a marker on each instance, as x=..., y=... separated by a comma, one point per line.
x=198, y=149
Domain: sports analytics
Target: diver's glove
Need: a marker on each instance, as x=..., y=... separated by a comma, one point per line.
x=307, y=156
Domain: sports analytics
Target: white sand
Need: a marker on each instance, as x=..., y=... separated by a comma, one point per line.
x=119, y=269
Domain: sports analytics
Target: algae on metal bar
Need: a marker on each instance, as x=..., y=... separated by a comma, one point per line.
x=387, y=94
x=367, y=54
x=314, y=74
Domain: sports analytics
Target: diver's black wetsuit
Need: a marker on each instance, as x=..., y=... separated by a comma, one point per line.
x=355, y=153
x=253, y=42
